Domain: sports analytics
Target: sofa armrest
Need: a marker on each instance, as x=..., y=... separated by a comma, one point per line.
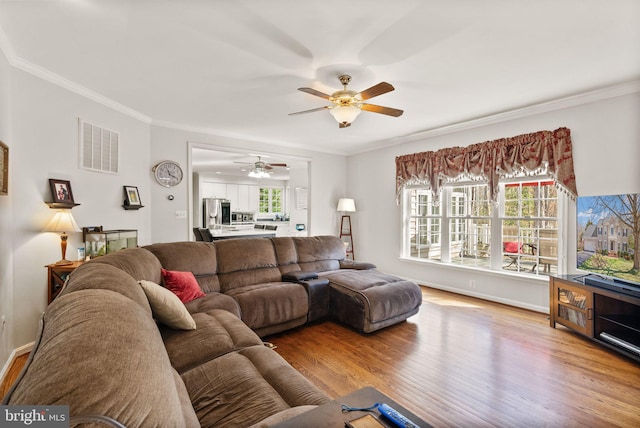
x=350, y=264
x=298, y=276
x=318, y=291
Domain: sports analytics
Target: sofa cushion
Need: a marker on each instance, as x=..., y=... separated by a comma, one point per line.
x=218, y=332
x=286, y=254
x=182, y=284
x=319, y=253
x=137, y=262
x=167, y=307
x=97, y=344
x=244, y=387
x=271, y=304
x=369, y=300
x=196, y=257
x=106, y=277
x=214, y=301
x=236, y=270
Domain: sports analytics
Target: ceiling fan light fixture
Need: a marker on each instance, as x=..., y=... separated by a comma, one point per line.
x=345, y=114
x=258, y=173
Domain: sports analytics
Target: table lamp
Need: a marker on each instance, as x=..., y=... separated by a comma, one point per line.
x=63, y=222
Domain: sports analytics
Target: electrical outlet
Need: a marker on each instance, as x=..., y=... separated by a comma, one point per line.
x=472, y=283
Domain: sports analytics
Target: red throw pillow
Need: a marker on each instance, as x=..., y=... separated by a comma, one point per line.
x=511, y=247
x=182, y=284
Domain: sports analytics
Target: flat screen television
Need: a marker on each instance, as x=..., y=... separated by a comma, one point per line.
x=609, y=239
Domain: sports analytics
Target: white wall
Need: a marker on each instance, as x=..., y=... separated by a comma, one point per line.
x=328, y=178
x=44, y=144
x=606, y=148
x=41, y=128
x=6, y=265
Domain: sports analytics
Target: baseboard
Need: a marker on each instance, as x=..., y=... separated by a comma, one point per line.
x=12, y=357
x=514, y=303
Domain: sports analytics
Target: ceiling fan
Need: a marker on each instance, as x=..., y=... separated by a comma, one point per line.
x=262, y=169
x=348, y=104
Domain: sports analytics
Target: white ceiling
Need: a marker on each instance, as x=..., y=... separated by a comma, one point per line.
x=232, y=68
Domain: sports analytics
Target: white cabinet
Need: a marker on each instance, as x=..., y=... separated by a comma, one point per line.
x=243, y=198
x=214, y=190
x=254, y=198
x=232, y=195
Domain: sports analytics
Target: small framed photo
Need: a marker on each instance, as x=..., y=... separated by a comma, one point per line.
x=133, y=196
x=61, y=191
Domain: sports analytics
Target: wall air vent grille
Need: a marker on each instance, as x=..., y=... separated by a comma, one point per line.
x=98, y=148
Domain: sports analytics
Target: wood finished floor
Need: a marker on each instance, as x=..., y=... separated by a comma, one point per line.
x=12, y=374
x=463, y=362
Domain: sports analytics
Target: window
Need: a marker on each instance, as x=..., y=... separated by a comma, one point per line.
x=270, y=200
x=424, y=226
x=520, y=234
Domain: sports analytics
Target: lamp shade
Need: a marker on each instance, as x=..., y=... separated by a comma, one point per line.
x=345, y=114
x=346, y=205
x=62, y=221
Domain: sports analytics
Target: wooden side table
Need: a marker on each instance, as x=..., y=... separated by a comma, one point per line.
x=56, y=275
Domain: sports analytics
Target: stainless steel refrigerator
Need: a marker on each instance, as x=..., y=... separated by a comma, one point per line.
x=215, y=211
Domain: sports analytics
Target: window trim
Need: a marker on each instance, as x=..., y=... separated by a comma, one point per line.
x=496, y=262
x=270, y=199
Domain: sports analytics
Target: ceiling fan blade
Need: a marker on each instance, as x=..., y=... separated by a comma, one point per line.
x=310, y=111
x=316, y=93
x=282, y=165
x=383, y=110
x=374, y=91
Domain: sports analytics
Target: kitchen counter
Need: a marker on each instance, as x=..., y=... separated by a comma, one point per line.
x=244, y=233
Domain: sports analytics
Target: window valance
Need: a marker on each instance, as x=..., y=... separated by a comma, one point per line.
x=543, y=152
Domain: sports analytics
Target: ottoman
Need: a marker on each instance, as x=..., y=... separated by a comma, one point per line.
x=368, y=300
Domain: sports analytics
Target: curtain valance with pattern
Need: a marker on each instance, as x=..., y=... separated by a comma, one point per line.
x=543, y=152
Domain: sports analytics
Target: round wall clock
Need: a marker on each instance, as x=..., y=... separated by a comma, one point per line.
x=168, y=173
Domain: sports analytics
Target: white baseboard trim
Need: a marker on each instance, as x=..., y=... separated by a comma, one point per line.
x=12, y=357
x=514, y=303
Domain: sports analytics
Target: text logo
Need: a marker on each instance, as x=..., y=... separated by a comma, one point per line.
x=34, y=416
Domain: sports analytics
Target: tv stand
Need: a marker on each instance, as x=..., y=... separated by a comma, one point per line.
x=608, y=316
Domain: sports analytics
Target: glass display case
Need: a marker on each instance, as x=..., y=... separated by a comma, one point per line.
x=98, y=242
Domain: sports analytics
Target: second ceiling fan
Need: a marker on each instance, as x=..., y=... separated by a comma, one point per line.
x=348, y=104
x=262, y=169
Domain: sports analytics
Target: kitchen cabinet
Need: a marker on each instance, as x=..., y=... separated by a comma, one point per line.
x=214, y=190
x=232, y=195
x=254, y=198
x=243, y=198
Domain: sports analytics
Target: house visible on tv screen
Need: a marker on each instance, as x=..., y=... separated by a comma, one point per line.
x=609, y=235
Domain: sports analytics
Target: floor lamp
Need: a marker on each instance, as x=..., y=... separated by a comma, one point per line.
x=346, y=205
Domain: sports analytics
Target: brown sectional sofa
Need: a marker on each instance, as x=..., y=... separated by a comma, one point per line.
x=101, y=351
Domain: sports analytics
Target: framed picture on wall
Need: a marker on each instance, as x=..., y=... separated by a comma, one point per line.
x=61, y=191
x=132, y=197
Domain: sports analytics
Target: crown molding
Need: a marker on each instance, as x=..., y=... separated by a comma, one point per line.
x=574, y=100
x=60, y=81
